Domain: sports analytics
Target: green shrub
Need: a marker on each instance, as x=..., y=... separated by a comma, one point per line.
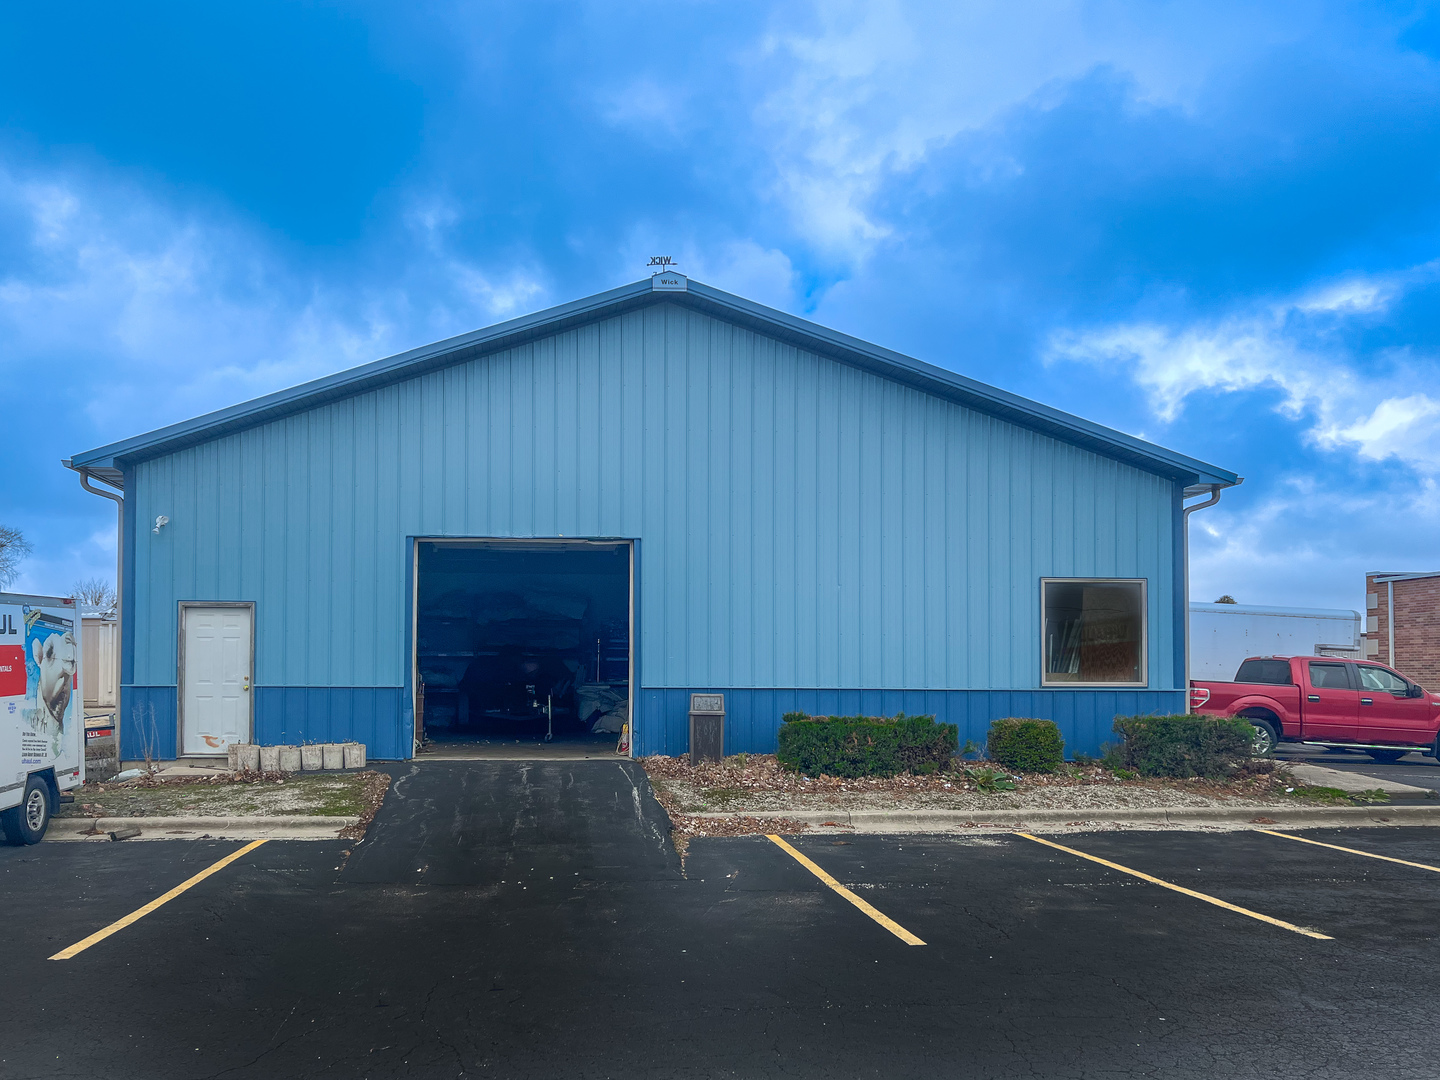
x=852, y=746
x=1026, y=745
x=1112, y=755
x=1184, y=746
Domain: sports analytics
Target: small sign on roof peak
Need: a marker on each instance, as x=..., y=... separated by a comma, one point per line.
x=665, y=279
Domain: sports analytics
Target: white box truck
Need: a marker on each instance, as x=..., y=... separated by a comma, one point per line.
x=1222, y=635
x=42, y=725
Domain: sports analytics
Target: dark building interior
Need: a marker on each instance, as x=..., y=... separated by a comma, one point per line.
x=523, y=641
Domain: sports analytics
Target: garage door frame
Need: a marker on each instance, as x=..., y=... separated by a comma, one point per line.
x=412, y=603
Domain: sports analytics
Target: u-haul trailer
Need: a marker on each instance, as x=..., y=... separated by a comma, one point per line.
x=42, y=716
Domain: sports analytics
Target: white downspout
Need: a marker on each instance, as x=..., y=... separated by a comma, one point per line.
x=119, y=590
x=1214, y=498
x=1390, y=617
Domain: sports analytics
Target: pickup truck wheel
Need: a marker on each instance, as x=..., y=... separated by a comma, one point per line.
x=1387, y=756
x=26, y=823
x=1265, y=738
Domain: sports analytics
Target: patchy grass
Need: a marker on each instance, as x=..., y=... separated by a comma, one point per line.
x=721, y=798
x=246, y=795
x=1334, y=796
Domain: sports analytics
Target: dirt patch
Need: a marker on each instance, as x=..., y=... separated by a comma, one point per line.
x=684, y=827
x=750, y=783
x=242, y=795
x=372, y=794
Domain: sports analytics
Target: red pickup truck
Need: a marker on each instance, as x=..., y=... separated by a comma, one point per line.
x=1326, y=701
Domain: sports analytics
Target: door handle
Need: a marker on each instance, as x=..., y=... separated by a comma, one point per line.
x=1366, y=701
x=1312, y=697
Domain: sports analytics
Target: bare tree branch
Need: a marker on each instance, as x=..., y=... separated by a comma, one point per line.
x=94, y=594
x=13, y=549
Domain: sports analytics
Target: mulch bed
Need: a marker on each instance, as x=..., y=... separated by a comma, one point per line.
x=748, y=782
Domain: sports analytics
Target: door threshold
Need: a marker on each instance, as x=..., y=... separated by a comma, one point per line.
x=520, y=752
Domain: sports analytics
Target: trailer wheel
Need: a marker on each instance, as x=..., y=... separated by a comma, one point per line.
x=1265, y=738
x=26, y=823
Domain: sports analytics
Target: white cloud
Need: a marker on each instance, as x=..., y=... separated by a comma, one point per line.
x=160, y=314
x=866, y=90
x=498, y=294
x=1404, y=428
x=1356, y=296
x=1378, y=414
x=748, y=269
x=1230, y=355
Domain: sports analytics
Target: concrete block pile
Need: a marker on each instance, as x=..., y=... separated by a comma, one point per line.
x=312, y=757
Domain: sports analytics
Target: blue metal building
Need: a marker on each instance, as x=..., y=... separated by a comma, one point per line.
x=809, y=522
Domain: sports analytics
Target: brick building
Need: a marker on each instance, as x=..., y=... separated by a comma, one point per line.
x=1402, y=624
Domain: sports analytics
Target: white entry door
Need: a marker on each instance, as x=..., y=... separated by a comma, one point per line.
x=218, y=671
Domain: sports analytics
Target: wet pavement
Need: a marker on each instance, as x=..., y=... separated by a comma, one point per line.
x=532, y=920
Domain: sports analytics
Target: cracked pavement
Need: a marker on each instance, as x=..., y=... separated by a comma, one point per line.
x=553, y=932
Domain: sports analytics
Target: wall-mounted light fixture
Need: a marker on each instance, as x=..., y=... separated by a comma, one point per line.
x=160, y=523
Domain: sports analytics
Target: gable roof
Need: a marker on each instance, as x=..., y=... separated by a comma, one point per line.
x=107, y=462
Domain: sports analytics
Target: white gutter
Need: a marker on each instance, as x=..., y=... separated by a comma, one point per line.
x=1214, y=498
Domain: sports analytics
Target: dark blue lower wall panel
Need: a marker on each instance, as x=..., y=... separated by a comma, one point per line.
x=291, y=715
x=147, y=723
x=752, y=717
x=284, y=715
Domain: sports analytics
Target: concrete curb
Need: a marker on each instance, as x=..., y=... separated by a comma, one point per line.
x=1311, y=773
x=1284, y=817
x=189, y=828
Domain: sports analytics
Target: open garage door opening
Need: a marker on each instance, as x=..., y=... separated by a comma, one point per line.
x=522, y=646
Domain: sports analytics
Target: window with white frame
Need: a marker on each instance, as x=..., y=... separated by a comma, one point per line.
x=1093, y=631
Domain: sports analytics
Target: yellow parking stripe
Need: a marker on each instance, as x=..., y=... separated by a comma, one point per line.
x=1180, y=889
x=140, y=913
x=881, y=918
x=1351, y=850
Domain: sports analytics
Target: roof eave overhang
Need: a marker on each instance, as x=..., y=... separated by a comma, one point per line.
x=108, y=462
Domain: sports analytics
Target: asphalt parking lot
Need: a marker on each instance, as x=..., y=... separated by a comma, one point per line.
x=531, y=920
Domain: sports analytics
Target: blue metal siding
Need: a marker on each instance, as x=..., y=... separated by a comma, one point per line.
x=291, y=715
x=805, y=523
x=284, y=715
x=752, y=716
x=147, y=727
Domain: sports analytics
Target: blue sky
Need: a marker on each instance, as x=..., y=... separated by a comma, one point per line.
x=1214, y=225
